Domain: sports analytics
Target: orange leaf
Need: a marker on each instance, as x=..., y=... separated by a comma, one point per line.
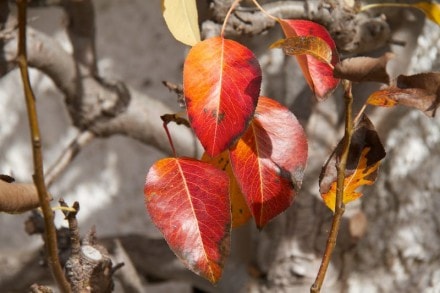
x=318, y=74
x=269, y=160
x=301, y=45
x=351, y=183
x=364, y=156
x=221, y=82
x=188, y=201
x=239, y=209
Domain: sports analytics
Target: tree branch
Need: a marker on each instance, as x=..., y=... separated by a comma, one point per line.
x=50, y=231
x=353, y=32
x=340, y=207
x=18, y=197
x=96, y=106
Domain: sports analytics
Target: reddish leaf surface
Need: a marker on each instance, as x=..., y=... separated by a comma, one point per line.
x=269, y=160
x=365, y=153
x=318, y=74
x=188, y=201
x=239, y=209
x=221, y=81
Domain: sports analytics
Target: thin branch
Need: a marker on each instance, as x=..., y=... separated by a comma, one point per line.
x=68, y=155
x=18, y=197
x=339, y=205
x=81, y=31
x=50, y=232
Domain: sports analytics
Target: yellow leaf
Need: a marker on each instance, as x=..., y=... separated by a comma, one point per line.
x=431, y=10
x=351, y=183
x=310, y=45
x=239, y=208
x=182, y=20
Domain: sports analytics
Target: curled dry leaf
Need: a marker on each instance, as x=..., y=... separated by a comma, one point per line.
x=420, y=91
x=360, y=69
x=301, y=45
x=364, y=157
x=188, y=200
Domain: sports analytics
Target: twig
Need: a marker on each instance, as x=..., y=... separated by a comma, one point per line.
x=50, y=232
x=18, y=197
x=339, y=205
x=81, y=32
x=68, y=155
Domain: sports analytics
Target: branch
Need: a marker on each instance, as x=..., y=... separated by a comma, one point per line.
x=18, y=197
x=353, y=32
x=50, y=231
x=340, y=207
x=67, y=156
x=81, y=31
x=96, y=106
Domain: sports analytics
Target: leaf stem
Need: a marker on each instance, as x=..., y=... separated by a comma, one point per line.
x=38, y=176
x=361, y=111
x=234, y=4
x=339, y=205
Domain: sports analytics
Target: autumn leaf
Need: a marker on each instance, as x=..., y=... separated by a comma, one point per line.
x=301, y=45
x=430, y=9
x=420, y=91
x=182, y=20
x=318, y=74
x=364, y=157
x=239, y=209
x=361, y=69
x=269, y=160
x=188, y=201
x=221, y=81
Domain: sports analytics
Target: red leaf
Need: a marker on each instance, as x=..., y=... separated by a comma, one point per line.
x=269, y=160
x=318, y=74
x=188, y=201
x=221, y=81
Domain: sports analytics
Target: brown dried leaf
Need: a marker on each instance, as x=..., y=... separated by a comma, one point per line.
x=301, y=45
x=420, y=91
x=360, y=69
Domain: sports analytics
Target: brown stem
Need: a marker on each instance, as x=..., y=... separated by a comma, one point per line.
x=339, y=205
x=50, y=232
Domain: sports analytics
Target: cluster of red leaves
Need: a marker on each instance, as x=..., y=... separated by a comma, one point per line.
x=255, y=149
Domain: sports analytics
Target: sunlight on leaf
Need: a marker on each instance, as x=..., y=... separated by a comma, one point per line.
x=364, y=157
x=221, y=82
x=182, y=20
x=363, y=175
x=301, y=45
x=188, y=201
